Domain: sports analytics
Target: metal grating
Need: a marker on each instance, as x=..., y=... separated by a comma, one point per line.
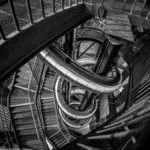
x=19, y=14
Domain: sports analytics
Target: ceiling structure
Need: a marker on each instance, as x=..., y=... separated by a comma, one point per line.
x=74, y=74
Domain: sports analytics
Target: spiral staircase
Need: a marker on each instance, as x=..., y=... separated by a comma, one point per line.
x=74, y=74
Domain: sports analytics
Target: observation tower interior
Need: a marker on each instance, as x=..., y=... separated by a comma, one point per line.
x=74, y=74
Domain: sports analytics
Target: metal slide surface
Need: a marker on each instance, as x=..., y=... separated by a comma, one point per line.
x=75, y=73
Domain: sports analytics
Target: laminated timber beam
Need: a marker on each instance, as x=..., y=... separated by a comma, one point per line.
x=17, y=50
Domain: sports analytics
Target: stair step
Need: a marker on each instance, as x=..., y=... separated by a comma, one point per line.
x=50, y=131
x=28, y=137
x=21, y=83
x=26, y=132
x=49, y=111
x=47, y=107
x=49, y=100
x=46, y=93
x=20, y=109
x=17, y=92
x=25, y=126
x=59, y=139
x=51, y=122
x=31, y=142
x=33, y=146
x=23, y=120
x=48, y=103
x=22, y=115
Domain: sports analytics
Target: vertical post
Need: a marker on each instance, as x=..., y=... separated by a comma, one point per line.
x=102, y=2
x=70, y=3
x=78, y=49
x=84, y=101
x=53, y=6
x=133, y=6
x=88, y=97
x=124, y=3
x=68, y=90
x=100, y=57
x=69, y=43
x=91, y=2
x=29, y=11
x=113, y=3
x=42, y=7
x=62, y=4
x=2, y=33
x=10, y=2
x=77, y=1
x=68, y=46
x=91, y=98
x=143, y=7
x=148, y=14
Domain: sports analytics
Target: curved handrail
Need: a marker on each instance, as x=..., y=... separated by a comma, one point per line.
x=67, y=109
x=92, y=34
x=75, y=73
x=73, y=124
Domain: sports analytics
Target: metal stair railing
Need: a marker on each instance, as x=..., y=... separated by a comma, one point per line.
x=121, y=5
x=18, y=16
x=5, y=115
x=29, y=7
x=26, y=27
x=135, y=7
x=138, y=11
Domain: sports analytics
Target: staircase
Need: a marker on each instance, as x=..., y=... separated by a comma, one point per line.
x=55, y=130
x=33, y=110
x=24, y=110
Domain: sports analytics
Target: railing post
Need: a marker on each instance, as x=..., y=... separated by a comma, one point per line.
x=148, y=14
x=62, y=4
x=2, y=33
x=124, y=3
x=10, y=2
x=91, y=2
x=133, y=6
x=143, y=7
x=53, y=6
x=113, y=3
x=42, y=7
x=29, y=11
x=70, y=3
x=102, y=2
x=76, y=2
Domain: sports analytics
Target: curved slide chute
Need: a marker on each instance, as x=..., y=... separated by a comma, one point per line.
x=77, y=74
x=66, y=108
x=72, y=124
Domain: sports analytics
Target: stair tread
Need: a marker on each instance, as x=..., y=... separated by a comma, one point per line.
x=25, y=127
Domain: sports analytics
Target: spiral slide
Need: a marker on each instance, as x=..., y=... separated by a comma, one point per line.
x=72, y=71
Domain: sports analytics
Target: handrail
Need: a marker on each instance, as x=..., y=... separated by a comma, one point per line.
x=128, y=7
x=6, y=117
x=13, y=11
x=138, y=11
x=12, y=122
